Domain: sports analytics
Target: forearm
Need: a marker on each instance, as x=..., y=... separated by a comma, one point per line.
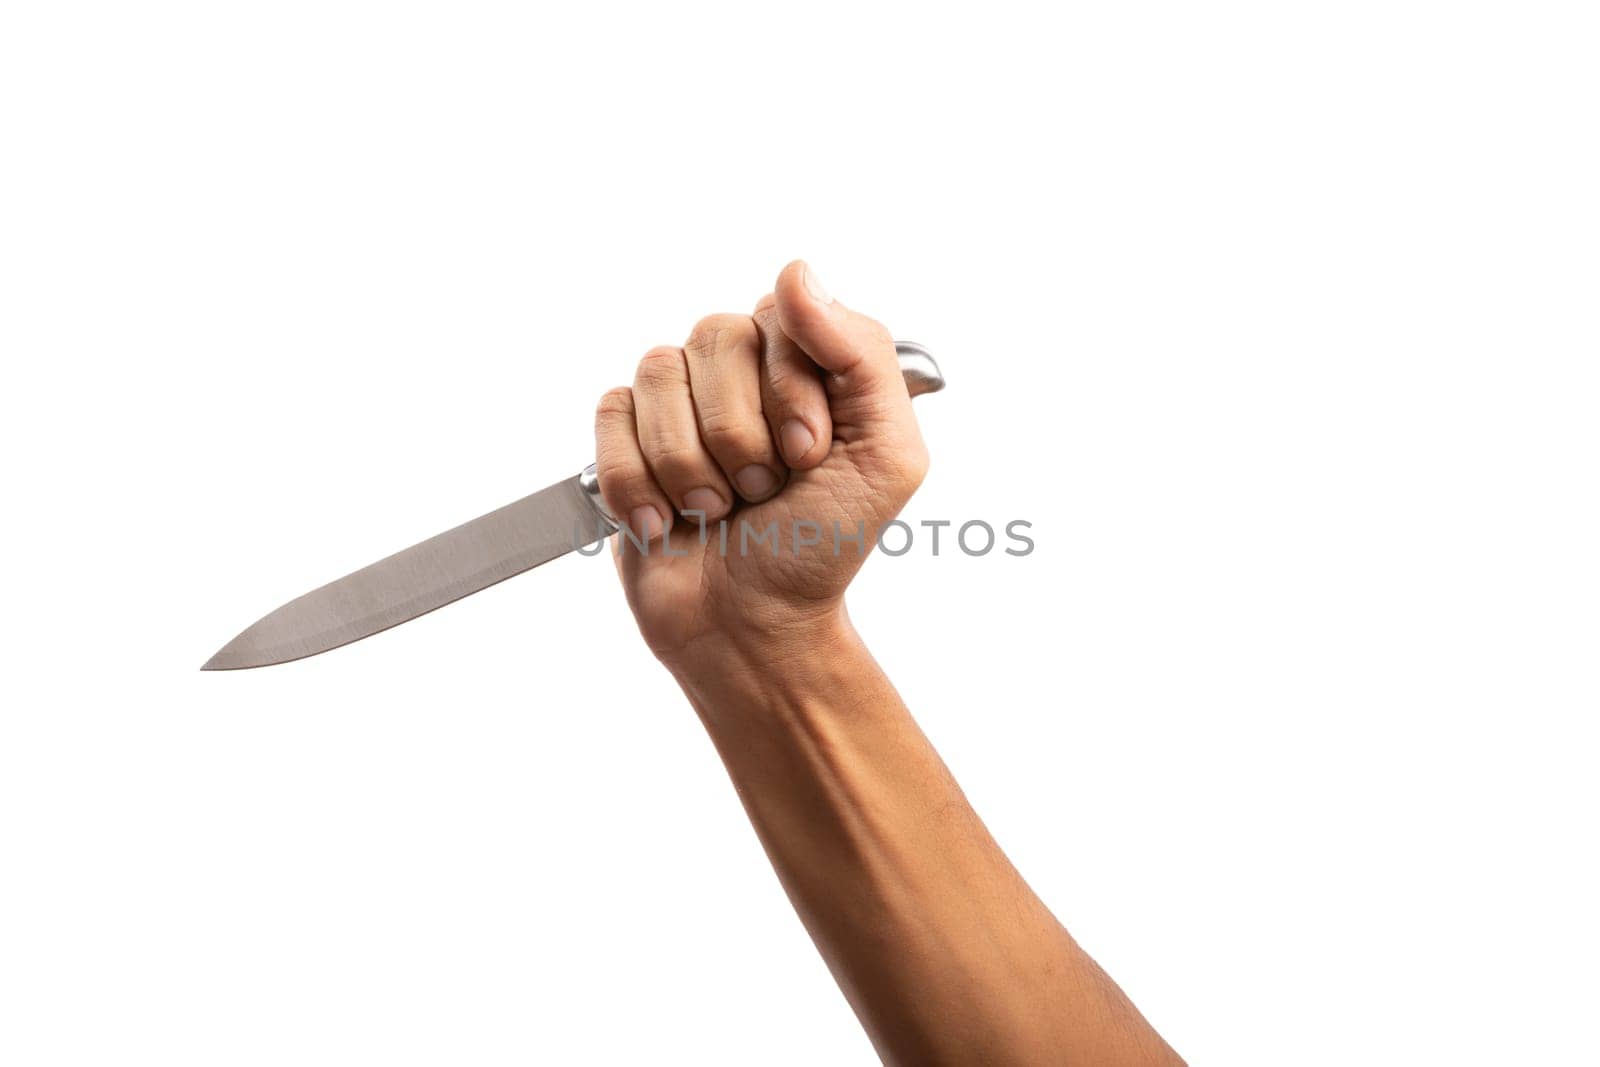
x=940, y=947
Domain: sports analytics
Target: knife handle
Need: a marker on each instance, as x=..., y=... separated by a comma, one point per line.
x=917, y=366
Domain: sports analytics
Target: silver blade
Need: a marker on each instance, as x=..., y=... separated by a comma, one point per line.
x=456, y=563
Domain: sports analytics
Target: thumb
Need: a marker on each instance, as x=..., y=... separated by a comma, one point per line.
x=856, y=350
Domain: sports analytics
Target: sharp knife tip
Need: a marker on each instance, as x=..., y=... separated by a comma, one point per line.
x=233, y=656
x=243, y=653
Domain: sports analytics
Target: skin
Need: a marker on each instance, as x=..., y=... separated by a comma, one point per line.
x=799, y=411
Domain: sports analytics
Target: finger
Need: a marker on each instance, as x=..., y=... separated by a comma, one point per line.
x=669, y=435
x=857, y=351
x=626, y=484
x=724, y=358
x=792, y=395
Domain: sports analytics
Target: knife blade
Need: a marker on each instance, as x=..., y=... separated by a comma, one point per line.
x=558, y=519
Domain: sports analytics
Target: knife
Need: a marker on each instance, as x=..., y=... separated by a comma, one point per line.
x=558, y=519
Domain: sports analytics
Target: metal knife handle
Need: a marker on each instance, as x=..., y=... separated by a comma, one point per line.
x=917, y=365
x=921, y=373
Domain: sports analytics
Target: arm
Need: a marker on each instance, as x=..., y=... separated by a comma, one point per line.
x=940, y=947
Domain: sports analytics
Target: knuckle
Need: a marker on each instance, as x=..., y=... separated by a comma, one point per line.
x=623, y=487
x=717, y=333
x=662, y=365
x=615, y=403
x=730, y=436
x=676, y=463
x=669, y=444
x=621, y=483
x=791, y=383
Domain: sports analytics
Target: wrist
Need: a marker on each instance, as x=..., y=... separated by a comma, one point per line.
x=768, y=669
x=759, y=640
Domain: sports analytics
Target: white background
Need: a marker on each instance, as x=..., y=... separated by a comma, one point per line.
x=1279, y=322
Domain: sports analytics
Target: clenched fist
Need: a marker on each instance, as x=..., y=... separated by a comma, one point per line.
x=792, y=421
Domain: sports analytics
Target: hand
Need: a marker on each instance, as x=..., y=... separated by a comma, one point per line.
x=797, y=414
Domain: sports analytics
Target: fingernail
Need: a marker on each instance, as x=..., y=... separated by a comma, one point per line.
x=704, y=499
x=645, y=522
x=814, y=287
x=797, y=439
x=756, y=482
